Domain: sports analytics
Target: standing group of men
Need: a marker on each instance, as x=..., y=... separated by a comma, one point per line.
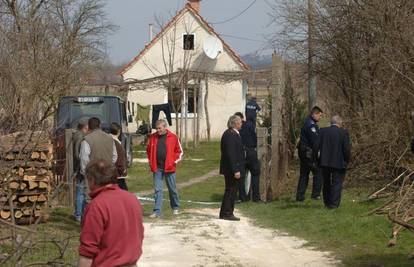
x=239, y=156
x=326, y=153
x=112, y=225
x=90, y=142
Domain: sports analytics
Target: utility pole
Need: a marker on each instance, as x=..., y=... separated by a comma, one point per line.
x=279, y=152
x=311, y=55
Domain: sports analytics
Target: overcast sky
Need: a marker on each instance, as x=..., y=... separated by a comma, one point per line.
x=133, y=16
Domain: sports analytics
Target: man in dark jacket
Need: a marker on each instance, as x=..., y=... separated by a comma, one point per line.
x=308, y=137
x=231, y=166
x=334, y=148
x=249, y=140
x=121, y=162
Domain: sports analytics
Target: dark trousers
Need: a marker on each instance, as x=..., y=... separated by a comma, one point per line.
x=332, y=186
x=305, y=170
x=156, y=109
x=253, y=166
x=230, y=192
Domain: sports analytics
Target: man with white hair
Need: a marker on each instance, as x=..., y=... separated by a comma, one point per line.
x=232, y=164
x=334, y=149
x=164, y=152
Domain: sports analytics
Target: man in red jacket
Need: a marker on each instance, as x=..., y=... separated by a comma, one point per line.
x=164, y=152
x=112, y=228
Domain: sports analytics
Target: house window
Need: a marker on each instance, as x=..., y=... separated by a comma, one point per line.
x=129, y=107
x=174, y=100
x=188, y=41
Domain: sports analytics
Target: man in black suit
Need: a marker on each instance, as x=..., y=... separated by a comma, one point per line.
x=231, y=166
x=334, y=149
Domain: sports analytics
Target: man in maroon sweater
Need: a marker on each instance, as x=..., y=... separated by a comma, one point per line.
x=112, y=229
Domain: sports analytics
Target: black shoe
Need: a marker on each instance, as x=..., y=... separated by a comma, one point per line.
x=230, y=218
x=316, y=198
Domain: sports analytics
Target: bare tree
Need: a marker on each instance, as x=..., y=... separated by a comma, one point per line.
x=363, y=57
x=46, y=50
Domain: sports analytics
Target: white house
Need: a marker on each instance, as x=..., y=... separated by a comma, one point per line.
x=179, y=45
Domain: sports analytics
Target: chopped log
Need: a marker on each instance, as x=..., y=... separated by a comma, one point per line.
x=21, y=172
x=27, y=211
x=18, y=214
x=13, y=197
x=33, y=185
x=23, y=186
x=23, y=199
x=29, y=177
x=43, y=185
x=35, y=155
x=33, y=198
x=9, y=157
x=5, y=214
x=42, y=171
x=43, y=156
x=41, y=198
x=14, y=185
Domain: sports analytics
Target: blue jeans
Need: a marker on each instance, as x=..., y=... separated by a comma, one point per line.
x=172, y=189
x=80, y=198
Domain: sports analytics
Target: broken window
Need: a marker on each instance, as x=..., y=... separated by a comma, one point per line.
x=188, y=41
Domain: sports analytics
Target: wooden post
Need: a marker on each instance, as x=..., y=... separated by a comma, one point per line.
x=182, y=105
x=279, y=159
x=199, y=112
x=69, y=165
x=206, y=111
x=263, y=156
x=186, y=116
x=195, y=112
x=311, y=54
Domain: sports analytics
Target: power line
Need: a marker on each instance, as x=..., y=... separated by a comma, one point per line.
x=242, y=38
x=236, y=16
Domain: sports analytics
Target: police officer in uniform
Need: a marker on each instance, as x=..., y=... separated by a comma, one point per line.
x=251, y=110
x=249, y=140
x=308, y=163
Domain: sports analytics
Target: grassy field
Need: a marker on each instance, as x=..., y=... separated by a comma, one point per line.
x=349, y=233
x=353, y=236
x=140, y=177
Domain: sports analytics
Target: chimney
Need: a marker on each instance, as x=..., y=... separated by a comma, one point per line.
x=151, y=32
x=195, y=4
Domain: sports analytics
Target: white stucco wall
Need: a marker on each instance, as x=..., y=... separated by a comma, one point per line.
x=224, y=98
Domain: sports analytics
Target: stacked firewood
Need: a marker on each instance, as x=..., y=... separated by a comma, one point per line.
x=25, y=175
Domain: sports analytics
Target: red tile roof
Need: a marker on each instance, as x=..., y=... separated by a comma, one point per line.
x=187, y=7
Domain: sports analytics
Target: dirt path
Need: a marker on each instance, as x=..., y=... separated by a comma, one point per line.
x=184, y=184
x=197, y=238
